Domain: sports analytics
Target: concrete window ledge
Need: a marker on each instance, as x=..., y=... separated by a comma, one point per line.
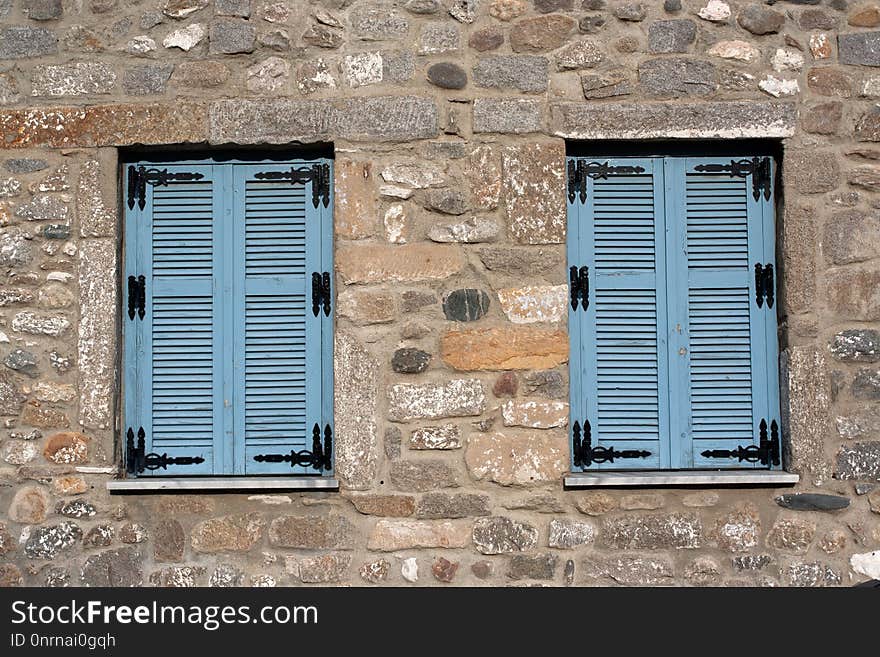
x=220, y=484
x=703, y=478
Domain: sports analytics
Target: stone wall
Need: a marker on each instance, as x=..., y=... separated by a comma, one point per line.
x=448, y=120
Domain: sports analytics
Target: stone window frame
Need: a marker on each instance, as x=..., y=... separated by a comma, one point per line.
x=123, y=157
x=734, y=149
x=638, y=125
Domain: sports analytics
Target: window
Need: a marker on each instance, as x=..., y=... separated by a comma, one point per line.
x=227, y=324
x=672, y=316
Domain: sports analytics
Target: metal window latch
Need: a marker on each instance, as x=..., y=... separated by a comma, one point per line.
x=764, y=284
x=320, y=457
x=137, y=296
x=579, y=286
x=322, y=294
x=766, y=452
x=586, y=455
x=137, y=460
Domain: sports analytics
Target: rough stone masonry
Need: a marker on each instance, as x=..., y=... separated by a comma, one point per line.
x=448, y=120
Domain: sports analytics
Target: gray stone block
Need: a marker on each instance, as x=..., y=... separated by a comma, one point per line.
x=859, y=48
x=391, y=118
x=676, y=77
x=231, y=36
x=513, y=115
x=19, y=42
x=521, y=72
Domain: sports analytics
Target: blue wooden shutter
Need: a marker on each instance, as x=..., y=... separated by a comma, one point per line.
x=727, y=375
x=619, y=391
x=279, y=245
x=173, y=365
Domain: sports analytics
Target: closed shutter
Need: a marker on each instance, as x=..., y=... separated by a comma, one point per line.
x=278, y=339
x=619, y=393
x=229, y=371
x=731, y=356
x=173, y=397
x=674, y=359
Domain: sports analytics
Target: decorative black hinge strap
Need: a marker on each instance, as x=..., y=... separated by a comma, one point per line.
x=317, y=448
x=580, y=170
x=586, y=455
x=577, y=182
x=766, y=452
x=322, y=294
x=137, y=460
x=764, y=284
x=762, y=179
x=133, y=293
x=137, y=296
x=769, y=284
x=318, y=174
x=319, y=458
x=326, y=292
x=328, y=447
x=576, y=447
x=134, y=454
x=140, y=176
x=317, y=293
x=579, y=286
x=597, y=170
x=137, y=186
x=759, y=284
x=321, y=188
x=758, y=168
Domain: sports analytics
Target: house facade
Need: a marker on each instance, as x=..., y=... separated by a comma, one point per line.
x=437, y=292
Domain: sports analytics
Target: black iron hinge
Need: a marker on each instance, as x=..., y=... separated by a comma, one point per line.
x=577, y=182
x=579, y=286
x=766, y=452
x=320, y=457
x=318, y=174
x=586, y=455
x=322, y=294
x=764, y=284
x=137, y=460
x=580, y=170
x=321, y=186
x=140, y=176
x=137, y=296
x=758, y=168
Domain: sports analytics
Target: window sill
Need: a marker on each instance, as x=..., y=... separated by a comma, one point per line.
x=704, y=478
x=231, y=484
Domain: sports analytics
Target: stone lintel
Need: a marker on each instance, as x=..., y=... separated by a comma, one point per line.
x=103, y=125
x=285, y=120
x=386, y=118
x=639, y=120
